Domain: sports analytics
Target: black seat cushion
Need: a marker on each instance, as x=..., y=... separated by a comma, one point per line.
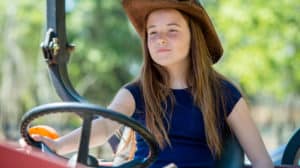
x=232, y=155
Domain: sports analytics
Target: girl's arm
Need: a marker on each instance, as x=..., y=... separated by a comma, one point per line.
x=102, y=129
x=248, y=135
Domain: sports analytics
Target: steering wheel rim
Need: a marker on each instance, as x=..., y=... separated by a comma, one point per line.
x=291, y=149
x=84, y=108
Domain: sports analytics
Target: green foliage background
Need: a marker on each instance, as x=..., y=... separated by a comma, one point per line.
x=261, y=41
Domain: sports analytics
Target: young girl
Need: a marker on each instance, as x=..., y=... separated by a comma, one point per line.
x=178, y=96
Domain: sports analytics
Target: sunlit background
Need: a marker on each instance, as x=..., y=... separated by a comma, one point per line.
x=261, y=41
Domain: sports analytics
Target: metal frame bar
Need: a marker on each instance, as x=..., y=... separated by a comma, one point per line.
x=55, y=49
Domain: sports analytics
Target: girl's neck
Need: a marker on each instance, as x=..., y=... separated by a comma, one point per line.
x=178, y=76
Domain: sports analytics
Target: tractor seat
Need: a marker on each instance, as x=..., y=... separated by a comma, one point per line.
x=232, y=155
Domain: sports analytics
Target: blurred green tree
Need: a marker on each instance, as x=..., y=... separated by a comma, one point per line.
x=108, y=52
x=262, y=42
x=18, y=61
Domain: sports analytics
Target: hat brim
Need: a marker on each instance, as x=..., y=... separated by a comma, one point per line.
x=138, y=10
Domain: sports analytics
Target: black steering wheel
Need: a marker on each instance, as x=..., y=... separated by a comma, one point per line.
x=88, y=112
x=292, y=150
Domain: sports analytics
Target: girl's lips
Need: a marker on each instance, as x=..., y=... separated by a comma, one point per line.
x=163, y=50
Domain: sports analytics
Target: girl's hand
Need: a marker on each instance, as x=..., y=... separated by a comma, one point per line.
x=52, y=144
x=42, y=133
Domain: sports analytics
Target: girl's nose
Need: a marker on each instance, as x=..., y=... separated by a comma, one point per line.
x=162, y=41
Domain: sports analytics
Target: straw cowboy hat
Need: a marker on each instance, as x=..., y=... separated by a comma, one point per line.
x=138, y=10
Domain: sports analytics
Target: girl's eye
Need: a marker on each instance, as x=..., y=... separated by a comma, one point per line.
x=152, y=33
x=173, y=30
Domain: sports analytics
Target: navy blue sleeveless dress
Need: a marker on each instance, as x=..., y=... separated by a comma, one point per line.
x=188, y=148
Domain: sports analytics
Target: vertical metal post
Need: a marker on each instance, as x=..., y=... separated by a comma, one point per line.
x=55, y=48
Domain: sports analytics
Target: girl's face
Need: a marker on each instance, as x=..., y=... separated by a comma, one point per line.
x=168, y=37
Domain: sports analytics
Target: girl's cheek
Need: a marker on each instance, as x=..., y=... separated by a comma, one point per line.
x=151, y=40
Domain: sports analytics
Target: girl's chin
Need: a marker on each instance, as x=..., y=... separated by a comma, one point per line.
x=164, y=63
x=163, y=60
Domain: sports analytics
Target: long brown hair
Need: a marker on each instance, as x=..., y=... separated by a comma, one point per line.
x=205, y=87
